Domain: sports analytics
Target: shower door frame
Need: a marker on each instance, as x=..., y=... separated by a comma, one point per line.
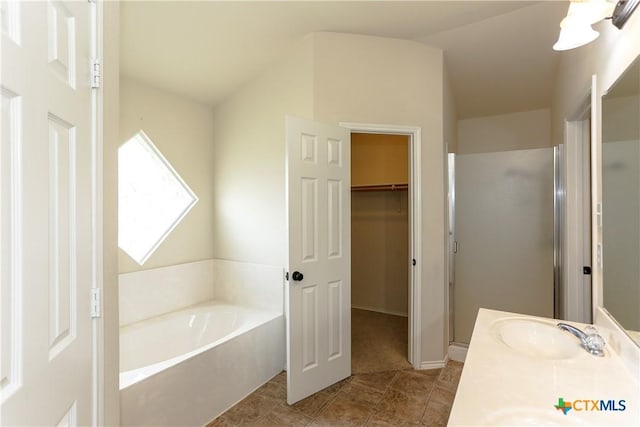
x=467, y=242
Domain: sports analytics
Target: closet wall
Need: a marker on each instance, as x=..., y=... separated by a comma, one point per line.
x=379, y=223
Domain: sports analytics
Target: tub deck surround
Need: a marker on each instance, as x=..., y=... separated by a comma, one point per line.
x=503, y=386
x=149, y=293
x=255, y=285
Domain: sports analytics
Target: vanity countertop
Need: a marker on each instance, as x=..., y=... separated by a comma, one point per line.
x=502, y=386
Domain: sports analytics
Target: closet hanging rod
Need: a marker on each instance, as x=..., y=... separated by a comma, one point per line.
x=380, y=187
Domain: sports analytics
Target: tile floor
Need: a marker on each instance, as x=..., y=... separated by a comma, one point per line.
x=403, y=397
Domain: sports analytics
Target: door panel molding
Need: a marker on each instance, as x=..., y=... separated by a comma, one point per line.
x=318, y=293
x=46, y=51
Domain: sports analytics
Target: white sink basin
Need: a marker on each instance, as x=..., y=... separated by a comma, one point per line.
x=536, y=339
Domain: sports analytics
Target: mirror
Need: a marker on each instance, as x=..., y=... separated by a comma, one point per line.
x=621, y=200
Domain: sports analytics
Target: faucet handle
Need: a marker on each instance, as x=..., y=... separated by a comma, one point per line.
x=590, y=330
x=594, y=342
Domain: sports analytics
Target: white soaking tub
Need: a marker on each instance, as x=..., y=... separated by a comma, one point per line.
x=187, y=367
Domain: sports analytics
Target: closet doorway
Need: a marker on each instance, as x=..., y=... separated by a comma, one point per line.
x=381, y=252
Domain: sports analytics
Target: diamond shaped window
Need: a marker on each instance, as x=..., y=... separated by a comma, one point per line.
x=152, y=198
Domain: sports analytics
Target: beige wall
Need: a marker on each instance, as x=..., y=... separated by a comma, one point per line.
x=248, y=160
x=505, y=132
x=397, y=82
x=332, y=78
x=182, y=130
x=380, y=251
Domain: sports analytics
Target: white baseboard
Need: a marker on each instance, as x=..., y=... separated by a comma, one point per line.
x=380, y=310
x=433, y=364
x=458, y=352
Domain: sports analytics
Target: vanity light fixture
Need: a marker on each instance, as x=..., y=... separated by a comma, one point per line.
x=623, y=11
x=575, y=28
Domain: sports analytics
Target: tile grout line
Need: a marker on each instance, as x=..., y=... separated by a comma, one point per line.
x=431, y=390
x=376, y=410
x=424, y=411
x=331, y=399
x=387, y=388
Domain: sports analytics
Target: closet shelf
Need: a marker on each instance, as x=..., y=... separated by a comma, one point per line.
x=380, y=187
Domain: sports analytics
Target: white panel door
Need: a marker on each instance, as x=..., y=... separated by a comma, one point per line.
x=46, y=214
x=504, y=229
x=318, y=293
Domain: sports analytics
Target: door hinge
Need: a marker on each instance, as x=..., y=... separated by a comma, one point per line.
x=96, y=302
x=286, y=276
x=95, y=74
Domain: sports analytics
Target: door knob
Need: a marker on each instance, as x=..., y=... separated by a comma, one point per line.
x=297, y=276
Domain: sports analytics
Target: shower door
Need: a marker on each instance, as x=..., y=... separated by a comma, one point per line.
x=504, y=230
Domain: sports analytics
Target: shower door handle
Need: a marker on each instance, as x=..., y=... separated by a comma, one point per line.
x=297, y=276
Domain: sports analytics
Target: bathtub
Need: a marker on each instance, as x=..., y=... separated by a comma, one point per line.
x=187, y=367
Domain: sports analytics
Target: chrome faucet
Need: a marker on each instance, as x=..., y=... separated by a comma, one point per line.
x=589, y=340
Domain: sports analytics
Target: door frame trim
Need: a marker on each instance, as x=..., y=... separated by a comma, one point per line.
x=577, y=301
x=415, y=223
x=97, y=203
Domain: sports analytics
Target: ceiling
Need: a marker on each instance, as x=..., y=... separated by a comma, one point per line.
x=498, y=53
